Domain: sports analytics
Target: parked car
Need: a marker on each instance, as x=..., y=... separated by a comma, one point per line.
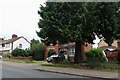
x=49, y=59
x=0, y=57
x=59, y=57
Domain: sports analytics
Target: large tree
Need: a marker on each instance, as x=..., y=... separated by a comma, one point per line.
x=67, y=22
x=107, y=20
x=77, y=22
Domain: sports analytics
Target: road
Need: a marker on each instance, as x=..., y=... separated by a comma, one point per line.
x=11, y=71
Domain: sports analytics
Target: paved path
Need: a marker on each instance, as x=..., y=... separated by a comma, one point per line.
x=73, y=71
x=81, y=72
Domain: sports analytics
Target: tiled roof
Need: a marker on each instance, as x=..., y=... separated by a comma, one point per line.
x=12, y=40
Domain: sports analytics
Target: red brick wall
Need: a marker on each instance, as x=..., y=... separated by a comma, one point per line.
x=111, y=54
x=56, y=48
x=88, y=47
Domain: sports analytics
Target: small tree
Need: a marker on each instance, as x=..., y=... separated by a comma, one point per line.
x=37, y=50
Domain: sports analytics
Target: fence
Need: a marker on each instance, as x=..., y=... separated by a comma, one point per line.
x=22, y=58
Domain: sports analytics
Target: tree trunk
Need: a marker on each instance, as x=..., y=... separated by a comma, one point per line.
x=79, y=51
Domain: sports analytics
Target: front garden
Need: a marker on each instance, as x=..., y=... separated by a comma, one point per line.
x=94, y=60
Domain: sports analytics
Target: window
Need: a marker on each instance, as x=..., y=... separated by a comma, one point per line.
x=72, y=51
x=20, y=45
x=7, y=45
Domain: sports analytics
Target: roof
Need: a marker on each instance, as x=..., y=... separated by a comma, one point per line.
x=12, y=40
x=108, y=47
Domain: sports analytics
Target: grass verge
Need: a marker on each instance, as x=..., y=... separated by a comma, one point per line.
x=110, y=67
x=24, y=61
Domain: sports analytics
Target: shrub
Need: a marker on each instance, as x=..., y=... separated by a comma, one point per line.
x=94, y=57
x=18, y=52
x=28, y=52
x=37, y=51
x=6, y=55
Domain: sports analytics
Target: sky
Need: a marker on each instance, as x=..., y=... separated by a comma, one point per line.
x=19, y=17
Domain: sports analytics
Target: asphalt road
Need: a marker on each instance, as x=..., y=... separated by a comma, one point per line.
x=15, y=73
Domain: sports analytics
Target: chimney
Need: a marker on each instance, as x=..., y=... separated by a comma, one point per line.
x=14, y=36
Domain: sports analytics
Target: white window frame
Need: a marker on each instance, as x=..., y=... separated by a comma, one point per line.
x=72, y=51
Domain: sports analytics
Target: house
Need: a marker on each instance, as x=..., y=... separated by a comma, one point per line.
x=47, y=48
x=110, y=51
x=14, y=42
x=69, y=49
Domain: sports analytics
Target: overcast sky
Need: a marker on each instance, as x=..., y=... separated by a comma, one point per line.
x=19, y=17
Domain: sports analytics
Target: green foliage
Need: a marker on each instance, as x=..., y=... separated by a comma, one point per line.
x=107, y=20
x=75, y=22
x=37, y=51
x=33, y=41
x=18, y=52
x=6, y=55
x=95, y=54
x=94, y=57
x=28, y=52
x=51, y=52
x=66, y=22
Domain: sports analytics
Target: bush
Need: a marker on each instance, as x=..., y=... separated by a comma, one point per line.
x=37, y=51
x=51, y=52
x=28, y=52
x=94, y=57
x=18, y=52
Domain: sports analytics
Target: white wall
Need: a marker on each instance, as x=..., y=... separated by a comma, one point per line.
x=6, y=47
x=22, y=41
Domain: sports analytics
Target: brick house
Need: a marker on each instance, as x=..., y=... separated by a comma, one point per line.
x=47, y=48
x=69, y=48
x=110, y=51
x=103, y=45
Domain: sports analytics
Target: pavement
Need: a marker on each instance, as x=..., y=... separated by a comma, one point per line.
x=71, y=71
x=81, y=72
